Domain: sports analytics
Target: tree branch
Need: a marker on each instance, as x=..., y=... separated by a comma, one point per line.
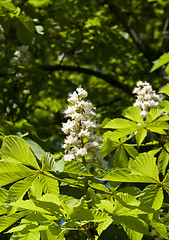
x=105, y=77
x=148, y=53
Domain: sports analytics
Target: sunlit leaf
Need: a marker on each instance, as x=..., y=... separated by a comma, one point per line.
x=11, y=172
x=15, y=149
x=120, y=123
x=152, y=197
x=134, y=114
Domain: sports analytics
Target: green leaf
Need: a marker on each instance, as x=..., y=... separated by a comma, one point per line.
x=131, y=151
x=7, y=4
x=145, y=164
x=153, y=114
x=37, y=3
x=36, y=149
x=49, y=184
x=158, y=127
x=134, y=114
x=103, y=226
x=165, y=105
x=119, y=133
x=142, y=169
x=133, y=235
x=49, y=163
x=36, y=188
x=108, y=146
x=165, y=89
x=7, y=221
x=76, y=168
x=92, y=215
x=25, y=30
x=160, y=228
x=166, y=179
x=163, y=161
x=18, y=189
x=125, y=175
x=15, y=149
x=133, y=223
x=29, y=236
x=50, y=203
x=11, y=172
x=120, y=123
x=3, y=195
x=140, y=135
x=28, y=205
x=152, y=198
x=160, y=62
x=53, y=233
x=120, y=158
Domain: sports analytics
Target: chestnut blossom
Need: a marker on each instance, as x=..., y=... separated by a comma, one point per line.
x=81, y=143
x=146, y=97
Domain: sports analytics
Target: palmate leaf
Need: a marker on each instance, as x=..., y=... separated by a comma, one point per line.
x=16, y=150
x=11, y=172
x=49, y=184
x=134, y=114
x=7, y=221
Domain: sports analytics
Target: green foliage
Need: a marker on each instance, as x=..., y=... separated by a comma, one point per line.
x=32, y=204
x=47, y=48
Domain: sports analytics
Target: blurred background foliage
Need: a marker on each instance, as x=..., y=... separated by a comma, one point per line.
x=48, y=48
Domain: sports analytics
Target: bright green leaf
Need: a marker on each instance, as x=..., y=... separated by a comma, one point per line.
x=134, y=114
x=15, y=149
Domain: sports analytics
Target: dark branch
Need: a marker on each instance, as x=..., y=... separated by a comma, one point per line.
x=105, y=77
x=148, y=53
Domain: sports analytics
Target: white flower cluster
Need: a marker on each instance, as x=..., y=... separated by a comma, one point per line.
x=146, y=97
x=81, y=143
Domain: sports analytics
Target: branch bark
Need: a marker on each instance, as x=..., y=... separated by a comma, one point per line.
x=108, y=78
x=148, y=53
